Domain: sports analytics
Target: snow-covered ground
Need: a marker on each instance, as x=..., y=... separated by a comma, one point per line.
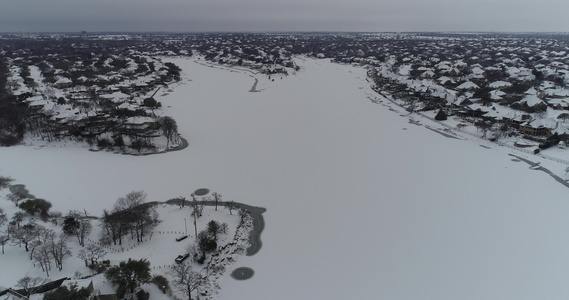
x=361, y=204
x=160, y=248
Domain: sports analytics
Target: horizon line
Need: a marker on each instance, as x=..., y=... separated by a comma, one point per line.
x=278, y=31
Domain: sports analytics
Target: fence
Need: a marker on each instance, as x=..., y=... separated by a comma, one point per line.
x=124, y=248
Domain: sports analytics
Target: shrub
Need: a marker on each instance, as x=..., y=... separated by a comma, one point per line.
x=206, y=243
x=36, y=207
x=99, y=267
x=161, y=282
x=201, y=260
x=119, y=142
x=151, y=102
x=142, y=295
x=139, y=144
x=64, y=293
x=104, y=143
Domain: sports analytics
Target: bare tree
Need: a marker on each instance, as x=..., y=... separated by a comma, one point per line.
x=231, y=206
x=4, y=238
x=182, y=201
x=33, y=245
x=15, y=198
x=130, y=214
x=169, y=127
x=18, y=217
x=193, y=251
x=3, y=217
x=44, y=237
x=197, y=208
x=92, y=253
x=223, y=228
x=83, y=231
x=114, y=227
x=60, y=250
x=186, y=279
x=25, y=234
x=30, y=285
x=77, y=224
x=194, y=213
x=131, y=200
x=43, y=257
x=217, y=199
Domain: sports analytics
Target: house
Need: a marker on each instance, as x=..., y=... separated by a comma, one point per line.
x=427, y=74
x=496, y=95
x=556, y=93
x=46, y=287
x=102, y=290
x=539, y=127
x=141, y=123
x=525, y=74
x=515, y=120
x=444, y=79
x=461, y=101
x=15, y=294
x=560, y=104
x=532, y=130
x=63, y=83
x=499, y=84
x=468, y=86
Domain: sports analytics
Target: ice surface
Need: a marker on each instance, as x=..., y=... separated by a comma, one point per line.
x=360, y=203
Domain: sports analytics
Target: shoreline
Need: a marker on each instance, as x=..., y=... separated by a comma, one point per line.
x=457, y=133
x=256, y=212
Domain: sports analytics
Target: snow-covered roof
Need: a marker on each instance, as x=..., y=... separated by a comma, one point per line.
x=428, y=74
x=563, y=102
x=531, y=91
x=477, y=71
x=62, y=80
x=499, y=84
x=128, y=106
x=444, y=79
x=467, y=85
x=531, y=100
x=139, y=120
x=558, y=93
x=496, y=94
x=546, y=122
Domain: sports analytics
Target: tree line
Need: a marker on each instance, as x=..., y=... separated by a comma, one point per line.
x=130, y=216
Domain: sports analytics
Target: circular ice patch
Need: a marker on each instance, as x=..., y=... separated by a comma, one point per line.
x=201, y=192
x=242, y=273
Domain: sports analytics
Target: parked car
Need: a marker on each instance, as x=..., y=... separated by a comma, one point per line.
x=182, y=257
x=181, y=238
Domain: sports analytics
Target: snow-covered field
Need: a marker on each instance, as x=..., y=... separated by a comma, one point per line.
x=361, y=204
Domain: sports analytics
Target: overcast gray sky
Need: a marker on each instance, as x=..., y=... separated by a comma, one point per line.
x=290, y=15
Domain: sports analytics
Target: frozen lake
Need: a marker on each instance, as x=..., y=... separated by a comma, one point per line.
x=360, y=203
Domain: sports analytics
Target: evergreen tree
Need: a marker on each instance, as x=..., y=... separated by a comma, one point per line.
x=65, y=293
x=441, y=116
x=130, y=274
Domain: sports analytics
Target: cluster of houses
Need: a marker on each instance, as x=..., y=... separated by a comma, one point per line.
x=509, y=83
x=515, y=81
x=89, y=96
